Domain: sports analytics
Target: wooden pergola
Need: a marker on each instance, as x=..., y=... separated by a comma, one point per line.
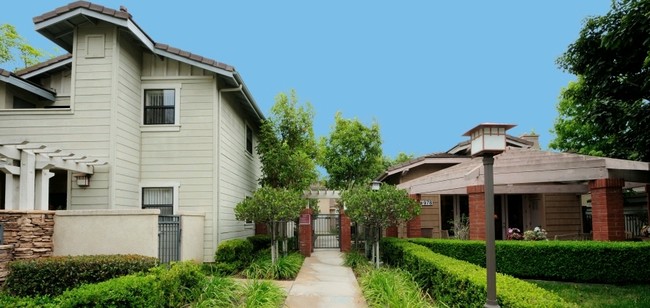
x=27, y=171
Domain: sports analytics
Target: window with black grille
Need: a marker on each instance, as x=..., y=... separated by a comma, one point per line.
x=159, y=106
x=161, y=198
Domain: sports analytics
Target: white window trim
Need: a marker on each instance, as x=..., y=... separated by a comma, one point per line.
x=177, y=108
x=175, y=185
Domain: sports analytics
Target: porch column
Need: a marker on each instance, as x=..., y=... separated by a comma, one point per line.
x=42, y=189
x=414, y=226
x=304, y=232
x=346, y=232
x=476, y=196
x=12, y=190
x=608, y=221
x=27, y=180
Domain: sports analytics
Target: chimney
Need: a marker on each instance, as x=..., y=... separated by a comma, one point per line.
x=532, y=137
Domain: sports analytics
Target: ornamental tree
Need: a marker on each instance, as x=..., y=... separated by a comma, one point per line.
x=272, y=206
x=379, y=209
x=11, y=43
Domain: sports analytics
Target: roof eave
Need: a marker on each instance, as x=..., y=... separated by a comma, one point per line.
x=28, y=86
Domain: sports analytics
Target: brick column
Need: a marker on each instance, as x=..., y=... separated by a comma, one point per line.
x=391, y=231
x=304, y=235
x=261, y=228
x=346, y=232
x=647, y=200
x=476, y=196
x=607, y=209
x=414, y=226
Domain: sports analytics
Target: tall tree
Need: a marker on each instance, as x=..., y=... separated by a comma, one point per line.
x=400, y=158
x=352, y=153
x=287, y=150
x=379, y=209
x=611, y=56
x=287, y=146
x=12, y=44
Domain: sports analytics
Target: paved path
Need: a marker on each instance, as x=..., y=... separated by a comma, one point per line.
x=323, y=281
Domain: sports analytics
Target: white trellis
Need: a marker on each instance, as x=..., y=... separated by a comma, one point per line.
x=27, y=171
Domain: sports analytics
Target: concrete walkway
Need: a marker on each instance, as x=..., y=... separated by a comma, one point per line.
x=323, y=281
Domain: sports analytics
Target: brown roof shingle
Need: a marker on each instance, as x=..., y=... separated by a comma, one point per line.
x=47, y=63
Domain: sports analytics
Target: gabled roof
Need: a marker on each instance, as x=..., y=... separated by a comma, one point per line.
x=47, y=66
x=13, y=79
x=519, y=170
x=433, y=158
x=58, y=26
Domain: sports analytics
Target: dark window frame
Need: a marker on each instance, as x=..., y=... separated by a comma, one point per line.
x=159, y=114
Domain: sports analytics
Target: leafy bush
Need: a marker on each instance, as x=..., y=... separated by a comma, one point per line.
x=358, y=262
x=219, y=292
x=181, y=283
x=537, y=234
x=126, y=291
x=260, y=242
x=52, y=276
x=7, y=300
x=462, y=284
x=285, y=268
x=392, y=288
x=261, y=294
x=575, y=261
x=234, y=255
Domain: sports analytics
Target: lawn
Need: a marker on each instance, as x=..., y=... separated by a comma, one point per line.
x=599, y=295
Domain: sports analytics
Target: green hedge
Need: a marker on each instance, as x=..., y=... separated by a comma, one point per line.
x=52, y=276
x=126, y=291
x=575, y=261
x=233, y=255
x=260, y=242
x=458, y=283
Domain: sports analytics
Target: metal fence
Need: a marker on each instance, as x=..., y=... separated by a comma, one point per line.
x=326, y=228
x=633, y=224
x=169, y=238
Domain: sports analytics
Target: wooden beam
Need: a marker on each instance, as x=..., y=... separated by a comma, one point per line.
x=8, y=169
x=9, y=152
x=12, y=140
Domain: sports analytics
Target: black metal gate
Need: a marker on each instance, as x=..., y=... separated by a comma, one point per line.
x=326, y=230
x=169, y=238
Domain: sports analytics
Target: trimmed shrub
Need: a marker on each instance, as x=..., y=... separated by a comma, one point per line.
x=233, y=255
x=462, y=284
x=182, y=283
x=126, y=291
x=7, y=300
x=574, y=261
x=54, y=275
x=260, y=242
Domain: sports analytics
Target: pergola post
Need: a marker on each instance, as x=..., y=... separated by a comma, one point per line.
x=27, y=180
x=12, y=191
x=42, y=189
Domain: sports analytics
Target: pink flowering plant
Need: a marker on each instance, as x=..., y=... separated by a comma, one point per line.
x=514, y=234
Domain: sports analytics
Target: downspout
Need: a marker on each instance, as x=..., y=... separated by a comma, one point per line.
x=217, y=185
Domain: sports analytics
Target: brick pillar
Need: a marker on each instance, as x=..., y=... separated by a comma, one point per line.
x=391, y=231
x=413, y=226
x=476, y=196
x=647, y=200
x=607, y=209
x=261, y=228
x=304, y=235
x=346, y=232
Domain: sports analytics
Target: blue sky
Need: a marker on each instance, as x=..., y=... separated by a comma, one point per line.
x=426, y=71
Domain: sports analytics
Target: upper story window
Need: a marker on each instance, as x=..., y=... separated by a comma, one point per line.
x=159, y=106
x=249, y=139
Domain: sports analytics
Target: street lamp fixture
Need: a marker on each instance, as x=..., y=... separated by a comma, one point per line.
x=375, y=185
x=488, y=140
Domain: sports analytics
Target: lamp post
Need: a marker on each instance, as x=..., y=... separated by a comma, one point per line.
x=375, y=186
x=488, y=140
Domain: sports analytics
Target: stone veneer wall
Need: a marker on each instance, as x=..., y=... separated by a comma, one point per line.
x=27, y=235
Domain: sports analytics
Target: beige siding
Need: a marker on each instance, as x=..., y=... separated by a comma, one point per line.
x=238, y=170
x=430, y=215
x=126, y=126
x=562, y=212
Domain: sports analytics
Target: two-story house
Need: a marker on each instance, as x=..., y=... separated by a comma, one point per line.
x=150, y=125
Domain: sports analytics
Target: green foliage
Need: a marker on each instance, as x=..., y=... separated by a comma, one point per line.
x=270, y=204
x=609, y=103
x=599, y=295
x=260, y=242
x=392, y=288
x=399, y=159
x=261, y=294
x=358, y=262
x=286, y=268
x=11, y=42
x=219, y=292
x=181, y=284
x=7, y=300
x=287, y=146
x=352, y=153
x=382, y=208
x=233, y=255
x=461, y=284
x=52, y=276
x=577, y=261
x=126, y=291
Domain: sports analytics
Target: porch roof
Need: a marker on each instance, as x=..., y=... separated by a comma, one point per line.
x=525, y=170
